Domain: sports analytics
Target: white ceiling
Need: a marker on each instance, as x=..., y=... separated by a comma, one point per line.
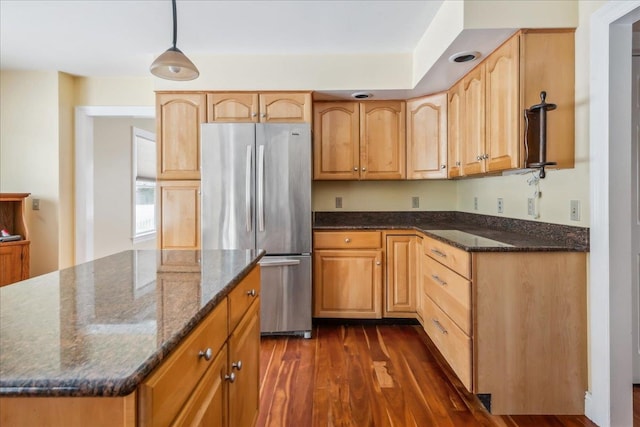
x=121, y=37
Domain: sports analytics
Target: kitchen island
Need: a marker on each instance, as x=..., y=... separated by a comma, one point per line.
x=133, y=339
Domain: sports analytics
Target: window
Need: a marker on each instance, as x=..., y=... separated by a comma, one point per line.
x=144, y=184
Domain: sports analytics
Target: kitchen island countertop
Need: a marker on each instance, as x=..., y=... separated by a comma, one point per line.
x=100, y=328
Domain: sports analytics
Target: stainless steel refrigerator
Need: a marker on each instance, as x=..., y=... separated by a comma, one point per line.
x=256, y=193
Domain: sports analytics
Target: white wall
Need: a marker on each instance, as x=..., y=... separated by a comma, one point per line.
x=113, y=184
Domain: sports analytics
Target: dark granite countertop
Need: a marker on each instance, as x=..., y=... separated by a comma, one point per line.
x=99, y=328
x=471, y=232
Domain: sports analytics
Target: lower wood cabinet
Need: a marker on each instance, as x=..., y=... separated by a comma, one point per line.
x=401, y=275
x=348, y=274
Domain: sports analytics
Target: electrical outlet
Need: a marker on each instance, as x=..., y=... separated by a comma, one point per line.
x=338, y=202
x=475, y=203
x=575, y=210
x=500, y=205
x=35, y=204
x=415, y=202
x=531, y=207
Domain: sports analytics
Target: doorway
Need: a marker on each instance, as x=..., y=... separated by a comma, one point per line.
x=84, y=171
x=609, y=401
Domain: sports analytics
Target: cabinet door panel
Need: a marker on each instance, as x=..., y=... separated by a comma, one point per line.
x=473, y=125
x=179, y=214
x=502, y=107
x=336, y=142
x=179, y=116
x=455, y=136
x=208, y=403
x=12, y=263
x=427, y=137
x=236, y=107
x=382, y=140
x=244, y=392
x=285, y=107
x=347, y=283
x=401, y=275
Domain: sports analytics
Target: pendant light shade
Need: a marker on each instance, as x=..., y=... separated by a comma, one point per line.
x=173, y=64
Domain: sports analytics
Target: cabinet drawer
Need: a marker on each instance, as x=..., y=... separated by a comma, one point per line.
x=347, y=240
x=454, y=258
x=169, y=387
x=450, y=291
x=242, y=296
x=454, y=344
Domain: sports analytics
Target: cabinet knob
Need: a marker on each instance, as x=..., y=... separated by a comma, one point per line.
x=443, y=166
x=478, y=157
x=252, y=293
x=377, y=262
x=347, y=240
x=254, y=114
x=485, y=156
x=237, y=365
x=207, y=354
x=364, y=169
x=231, y=377
x=355, y=169
x=457, y=163
x=264, y=115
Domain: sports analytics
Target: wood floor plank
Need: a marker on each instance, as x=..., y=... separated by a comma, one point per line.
x=371, y=376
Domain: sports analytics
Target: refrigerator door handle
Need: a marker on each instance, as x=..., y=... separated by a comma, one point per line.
x=261, y=188
x=279, y=263
x=247, y=189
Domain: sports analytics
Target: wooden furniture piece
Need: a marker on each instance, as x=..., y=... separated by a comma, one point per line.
x=14, y=255
x=486, y=120
x=179, y=116
x=512, y=325
x=237, y=107
x=359, y=141
x=347, y=274
x=210, y=379
x=401, y=274
x=179, y=207
x=427, y=137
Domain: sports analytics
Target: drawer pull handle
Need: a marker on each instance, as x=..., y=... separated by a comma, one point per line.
x=347, y=240
x=231, y=377
x=439, y=280
x=440, y=254
x=237, y=365
x=207, y=354
x=252, y=293
x=439, y=326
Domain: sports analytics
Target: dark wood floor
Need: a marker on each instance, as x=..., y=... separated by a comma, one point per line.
x=371, y=376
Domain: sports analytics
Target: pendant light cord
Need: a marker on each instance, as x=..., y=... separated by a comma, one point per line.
x=175, y=23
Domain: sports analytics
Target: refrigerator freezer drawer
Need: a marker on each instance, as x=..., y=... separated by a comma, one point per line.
x=286, y=295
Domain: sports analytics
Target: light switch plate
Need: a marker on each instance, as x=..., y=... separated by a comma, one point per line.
x=500, y=205
x=35, y=204
x=338, y=202
x=415, y=202
x=531, y=209
x=575, y=210
x=475, y=203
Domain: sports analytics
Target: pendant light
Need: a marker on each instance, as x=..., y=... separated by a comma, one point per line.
x=173, y=64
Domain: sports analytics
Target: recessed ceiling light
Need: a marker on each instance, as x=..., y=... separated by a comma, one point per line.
x=361, y=95
x=464, y=56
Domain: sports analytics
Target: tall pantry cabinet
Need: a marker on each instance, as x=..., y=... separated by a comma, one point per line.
x=179, y=116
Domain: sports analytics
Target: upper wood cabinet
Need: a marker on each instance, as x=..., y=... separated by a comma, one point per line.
x=473, y=138
x=237, y=107
x=336, y=141
x=359, y=140
x=487, y=110
x=427, y=137
x=178, y=118
x=455, y=114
